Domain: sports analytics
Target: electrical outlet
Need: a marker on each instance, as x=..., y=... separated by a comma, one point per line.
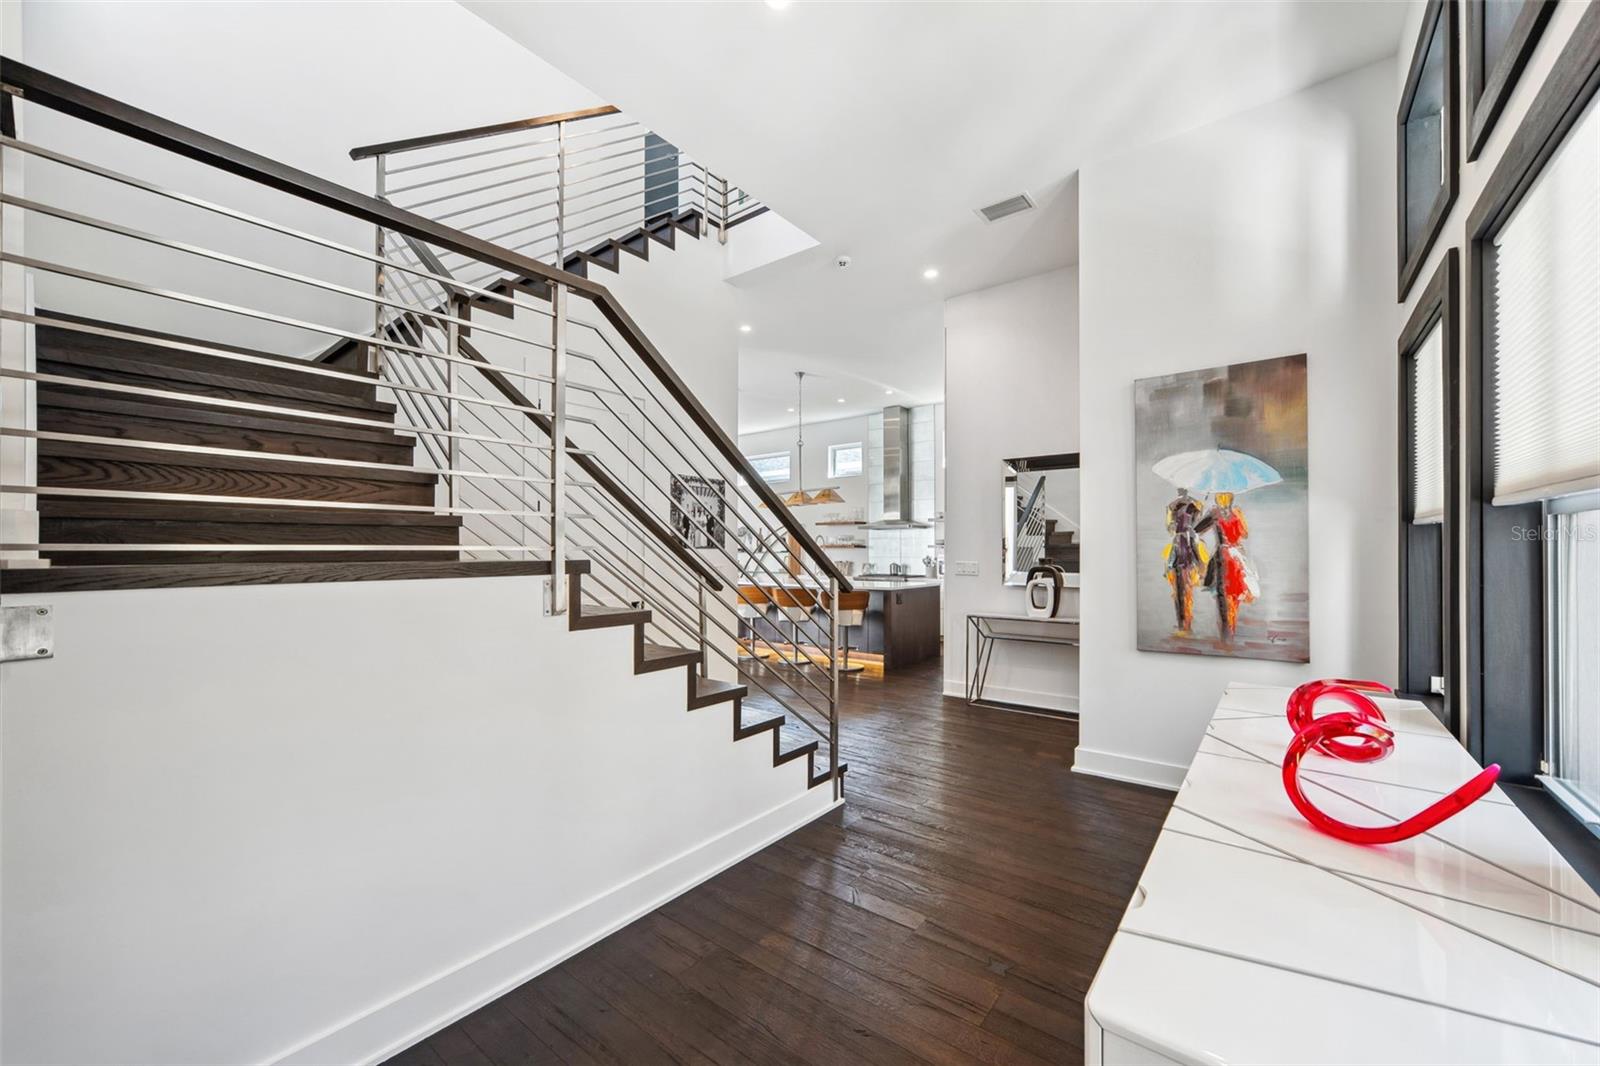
x=964, y=569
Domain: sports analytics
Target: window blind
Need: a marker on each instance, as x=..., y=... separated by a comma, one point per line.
x=1546, y=329
x=1427, y=429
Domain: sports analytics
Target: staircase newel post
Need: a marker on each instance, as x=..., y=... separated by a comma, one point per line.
x=833, y=686
x=722, y=219
x=561, y=196
x=556, y=602
x=374, y=354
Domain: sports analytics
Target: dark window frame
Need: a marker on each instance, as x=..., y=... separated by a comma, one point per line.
x=1439, y=305
x=1488, y=87
x=1505, y=647
x=1410, y=265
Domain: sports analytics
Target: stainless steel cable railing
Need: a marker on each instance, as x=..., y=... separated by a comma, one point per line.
x=530, y=407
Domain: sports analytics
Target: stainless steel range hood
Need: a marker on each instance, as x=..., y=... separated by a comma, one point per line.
x=897, y=472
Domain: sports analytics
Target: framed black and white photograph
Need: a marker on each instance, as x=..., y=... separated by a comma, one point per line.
x=700, y=510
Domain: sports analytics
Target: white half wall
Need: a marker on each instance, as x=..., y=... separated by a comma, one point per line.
x=1266, y=234
x=1011, y=390
x=313, y=823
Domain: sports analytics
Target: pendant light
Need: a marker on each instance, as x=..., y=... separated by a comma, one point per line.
x=800, y=497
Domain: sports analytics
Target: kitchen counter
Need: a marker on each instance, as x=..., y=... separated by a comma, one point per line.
x=880, y=584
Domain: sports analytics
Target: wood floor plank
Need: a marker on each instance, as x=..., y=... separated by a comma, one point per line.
x=955, y=912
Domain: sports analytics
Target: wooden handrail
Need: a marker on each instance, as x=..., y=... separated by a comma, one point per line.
x=367, y=151
x=47, y=90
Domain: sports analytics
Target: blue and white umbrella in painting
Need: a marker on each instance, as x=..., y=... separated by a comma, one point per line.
x=1212, y=470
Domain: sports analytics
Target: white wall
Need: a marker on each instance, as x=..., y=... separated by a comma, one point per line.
x=1265, y=234
x=310, y=823
x=1011, y=389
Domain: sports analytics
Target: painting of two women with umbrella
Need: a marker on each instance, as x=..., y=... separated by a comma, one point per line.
x=1223, y=560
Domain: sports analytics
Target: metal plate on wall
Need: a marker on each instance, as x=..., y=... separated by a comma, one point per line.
x=26, y=633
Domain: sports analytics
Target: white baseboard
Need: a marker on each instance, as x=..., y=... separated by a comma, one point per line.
x=389, y=1027
x=1022, y=697
x=1128, y=768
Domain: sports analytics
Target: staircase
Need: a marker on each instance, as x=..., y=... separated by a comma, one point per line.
x=168, y=459
x=1061, y=546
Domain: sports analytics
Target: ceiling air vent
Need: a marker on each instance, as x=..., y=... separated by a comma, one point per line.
x=1009, y=206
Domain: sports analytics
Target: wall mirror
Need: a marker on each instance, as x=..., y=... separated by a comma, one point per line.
x=1041, y=514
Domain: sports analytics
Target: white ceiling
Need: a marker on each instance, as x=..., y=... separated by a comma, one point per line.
x=879, y=127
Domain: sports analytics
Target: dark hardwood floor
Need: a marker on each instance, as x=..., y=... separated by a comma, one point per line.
x=955, y=913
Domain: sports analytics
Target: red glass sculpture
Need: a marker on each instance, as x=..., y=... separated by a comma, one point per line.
x=1359, y=735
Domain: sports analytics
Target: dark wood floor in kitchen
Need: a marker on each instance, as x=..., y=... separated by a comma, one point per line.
x=956, y=914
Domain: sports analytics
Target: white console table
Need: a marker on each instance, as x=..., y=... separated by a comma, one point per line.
x=1254, y=938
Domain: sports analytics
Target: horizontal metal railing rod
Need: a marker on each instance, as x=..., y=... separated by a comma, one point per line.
x=139, y=546
x=246, y=453
x=252, y=501
x=214, y=208
x=390, y=192
x=512, y=199
x=392, y=170
x=638, y=185
x=415, y=204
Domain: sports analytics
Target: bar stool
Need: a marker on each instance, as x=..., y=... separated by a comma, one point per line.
x=752, y=608
x=795, y=604
x=852, y=612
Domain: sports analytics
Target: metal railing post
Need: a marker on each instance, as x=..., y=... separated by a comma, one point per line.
x=561, y=195
x=452, y=410
x=722, y=220
x=556, y=602
x=704, y=658
x=833, y=686
x=374, y=354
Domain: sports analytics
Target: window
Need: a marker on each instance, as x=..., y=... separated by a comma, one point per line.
x=1572, y=597
x=1545, y=329
x=1426, y=156
x=1429, y=546
x=773, y=467
x=1500, y=37
x=1533, y=458
x=844, y=460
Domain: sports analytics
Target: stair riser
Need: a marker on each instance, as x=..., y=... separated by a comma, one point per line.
x=78, y=472
x=261, y=437
x=126, y=531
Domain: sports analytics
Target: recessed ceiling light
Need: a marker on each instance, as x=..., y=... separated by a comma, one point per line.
x=744, y=328
x=930, y=273
x=841, y=399
x=778, y=5
x=888, y=392
x=790, y=410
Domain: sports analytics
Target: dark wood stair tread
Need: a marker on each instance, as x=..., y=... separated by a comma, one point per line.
x=705, y=691
x=653, y=657
x=592, y=617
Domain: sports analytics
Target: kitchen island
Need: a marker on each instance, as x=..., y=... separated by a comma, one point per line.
x=902, y=621
x=901, y=625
